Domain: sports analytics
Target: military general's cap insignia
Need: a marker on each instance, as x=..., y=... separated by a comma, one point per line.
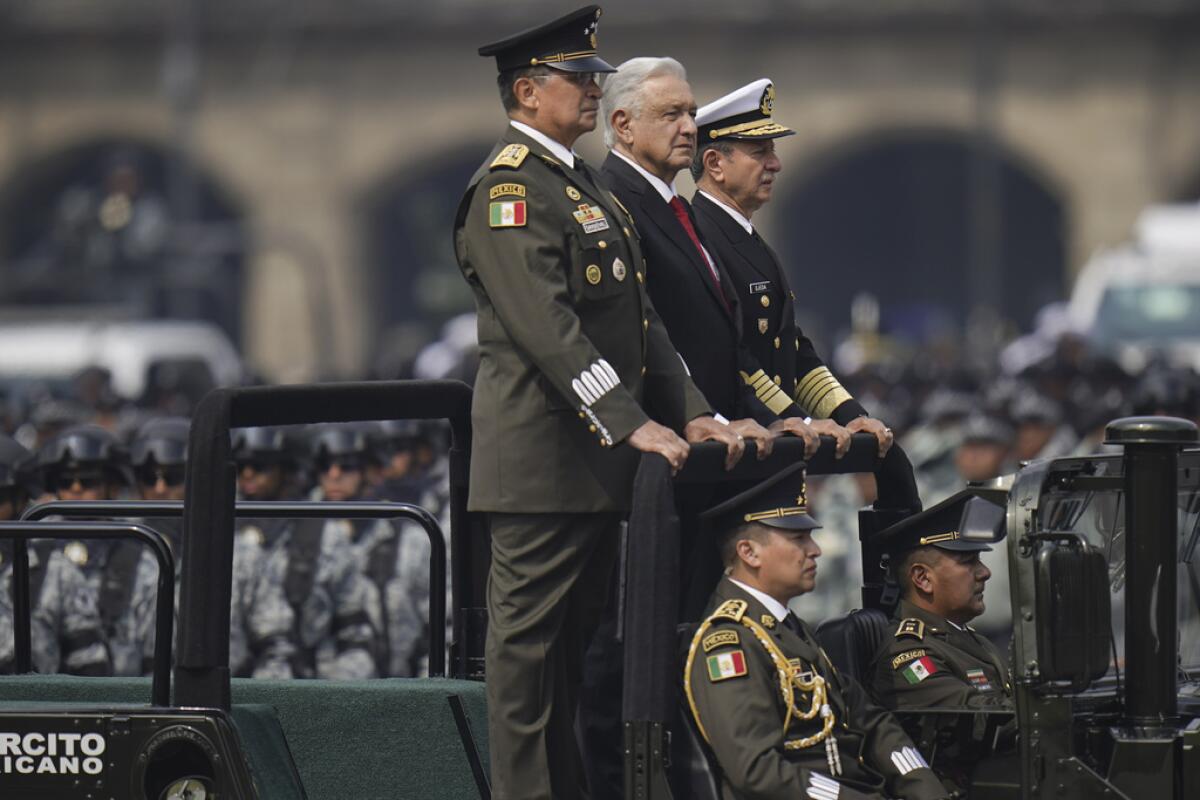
x=744, y=113
x=568, y=43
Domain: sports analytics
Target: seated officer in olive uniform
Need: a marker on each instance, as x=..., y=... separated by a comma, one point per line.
x=935, y=658
x=781, y=720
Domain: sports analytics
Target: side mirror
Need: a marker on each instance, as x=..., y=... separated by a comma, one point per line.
x=982, y=521
x=1074, y=612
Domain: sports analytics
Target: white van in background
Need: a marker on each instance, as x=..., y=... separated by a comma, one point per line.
x=1142, y=299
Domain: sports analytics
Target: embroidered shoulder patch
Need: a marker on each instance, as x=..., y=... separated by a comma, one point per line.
x=506, y=214
x=719, y=639
x=905, y=657
x=511, y=156
x=724, y=666
x=911, y=627
x=506, y=189
x=919, y=670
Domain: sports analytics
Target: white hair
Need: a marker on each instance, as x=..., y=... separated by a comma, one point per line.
x=623, y=88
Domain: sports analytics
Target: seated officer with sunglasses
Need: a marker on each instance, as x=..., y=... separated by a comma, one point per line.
x=89, y=463
x=65, y=626
x=158, y=455
x=326, y=600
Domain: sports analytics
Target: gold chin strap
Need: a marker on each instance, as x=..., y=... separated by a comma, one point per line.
x=790, y=679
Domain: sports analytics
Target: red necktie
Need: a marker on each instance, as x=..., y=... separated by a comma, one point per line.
x=686, y=221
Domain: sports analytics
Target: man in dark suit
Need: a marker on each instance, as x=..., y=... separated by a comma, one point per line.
x=780, y=719
x=571, y=350
x=648, y=113
x=735, y=169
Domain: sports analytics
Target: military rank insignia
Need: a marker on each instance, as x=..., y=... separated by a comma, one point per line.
x=511, y=156
x=726, y=665
x=919, y=669
x=767, y=621
x=510, y=214
x=591, y=218
x=979, y=680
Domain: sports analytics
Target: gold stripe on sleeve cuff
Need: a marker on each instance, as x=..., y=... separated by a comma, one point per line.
x=819, y=393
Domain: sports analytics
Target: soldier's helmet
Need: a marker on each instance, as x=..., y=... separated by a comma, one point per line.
x=159, y=449
x=18, y=471
x=84, y=447
x=340, y=441
x=1169, y=392
x=267, y=445
x=162, y=442
x=394, y=435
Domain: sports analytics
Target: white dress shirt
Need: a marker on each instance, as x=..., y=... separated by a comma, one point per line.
x=564, y=155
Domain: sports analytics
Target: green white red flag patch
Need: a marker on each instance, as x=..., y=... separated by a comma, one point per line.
x=919, y=670
x=726, y=665
x=507, y=215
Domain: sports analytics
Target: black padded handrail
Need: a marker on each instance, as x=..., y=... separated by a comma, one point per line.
x=202, y=661
x=24, y=530
x=251, y=509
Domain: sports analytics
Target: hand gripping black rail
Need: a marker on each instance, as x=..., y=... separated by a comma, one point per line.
x=202, y=661
x=24, y=530
x=284, y=509
x=653, y=591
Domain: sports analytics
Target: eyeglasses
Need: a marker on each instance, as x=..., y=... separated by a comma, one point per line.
x=171, y=476
x=65, y=483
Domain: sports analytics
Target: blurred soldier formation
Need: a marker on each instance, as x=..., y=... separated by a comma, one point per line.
x=311, y=598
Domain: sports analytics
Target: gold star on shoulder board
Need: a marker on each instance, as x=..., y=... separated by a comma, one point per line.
x=768, y=621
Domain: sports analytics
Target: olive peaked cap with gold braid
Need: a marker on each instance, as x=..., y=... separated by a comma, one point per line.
x=744, y=113
x=567, y=43
x=780, y=501
x=942, y=526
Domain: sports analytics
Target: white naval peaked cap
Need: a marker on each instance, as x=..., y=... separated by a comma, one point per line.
x=744, y=113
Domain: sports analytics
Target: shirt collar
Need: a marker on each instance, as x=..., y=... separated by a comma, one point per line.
x=556, y=149
x=667, y=192
x=774, y=606
x=731, y=211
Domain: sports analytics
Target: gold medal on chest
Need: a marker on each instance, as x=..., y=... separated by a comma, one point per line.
x=573, y=193
x=593, y=274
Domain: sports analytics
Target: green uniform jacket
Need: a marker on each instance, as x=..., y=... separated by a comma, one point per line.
x=569, y=342
x=928, y=662
x=735, y=697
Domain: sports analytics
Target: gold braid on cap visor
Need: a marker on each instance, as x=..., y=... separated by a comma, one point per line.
x=941, y=537
x=776, y=513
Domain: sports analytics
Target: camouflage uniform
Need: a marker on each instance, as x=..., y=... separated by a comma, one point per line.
x=303, y=580
x=65, y=624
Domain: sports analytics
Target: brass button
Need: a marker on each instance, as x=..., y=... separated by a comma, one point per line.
x=776, y=379
x=582, y=415
x=766, y=301
x=641, y=278
x=602, y=244
x=776, y=342
x=643, y=371
x=592, y=428
x=628, y=233
x=645, y=324
x=797, y=344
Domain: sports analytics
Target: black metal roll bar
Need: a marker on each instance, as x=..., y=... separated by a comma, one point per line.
x=202, y=659
x=24, y=530
x=250, y=509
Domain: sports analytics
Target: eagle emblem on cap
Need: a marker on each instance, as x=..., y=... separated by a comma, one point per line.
x=767, y=104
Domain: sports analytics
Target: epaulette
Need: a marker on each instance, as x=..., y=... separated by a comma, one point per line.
x=731, y=609
x=510, y=157
x=620, y=205
x=911, y=627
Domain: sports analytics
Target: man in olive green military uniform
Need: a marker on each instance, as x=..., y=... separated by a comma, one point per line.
x=781, y=720
x=934, y=658
x=570, y=348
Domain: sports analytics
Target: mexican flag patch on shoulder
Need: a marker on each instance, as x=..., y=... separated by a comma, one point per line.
x=919, y=670
x=726, y=665
x=509, y=214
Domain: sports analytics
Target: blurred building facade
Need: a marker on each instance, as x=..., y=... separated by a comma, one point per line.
x=306, y=157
